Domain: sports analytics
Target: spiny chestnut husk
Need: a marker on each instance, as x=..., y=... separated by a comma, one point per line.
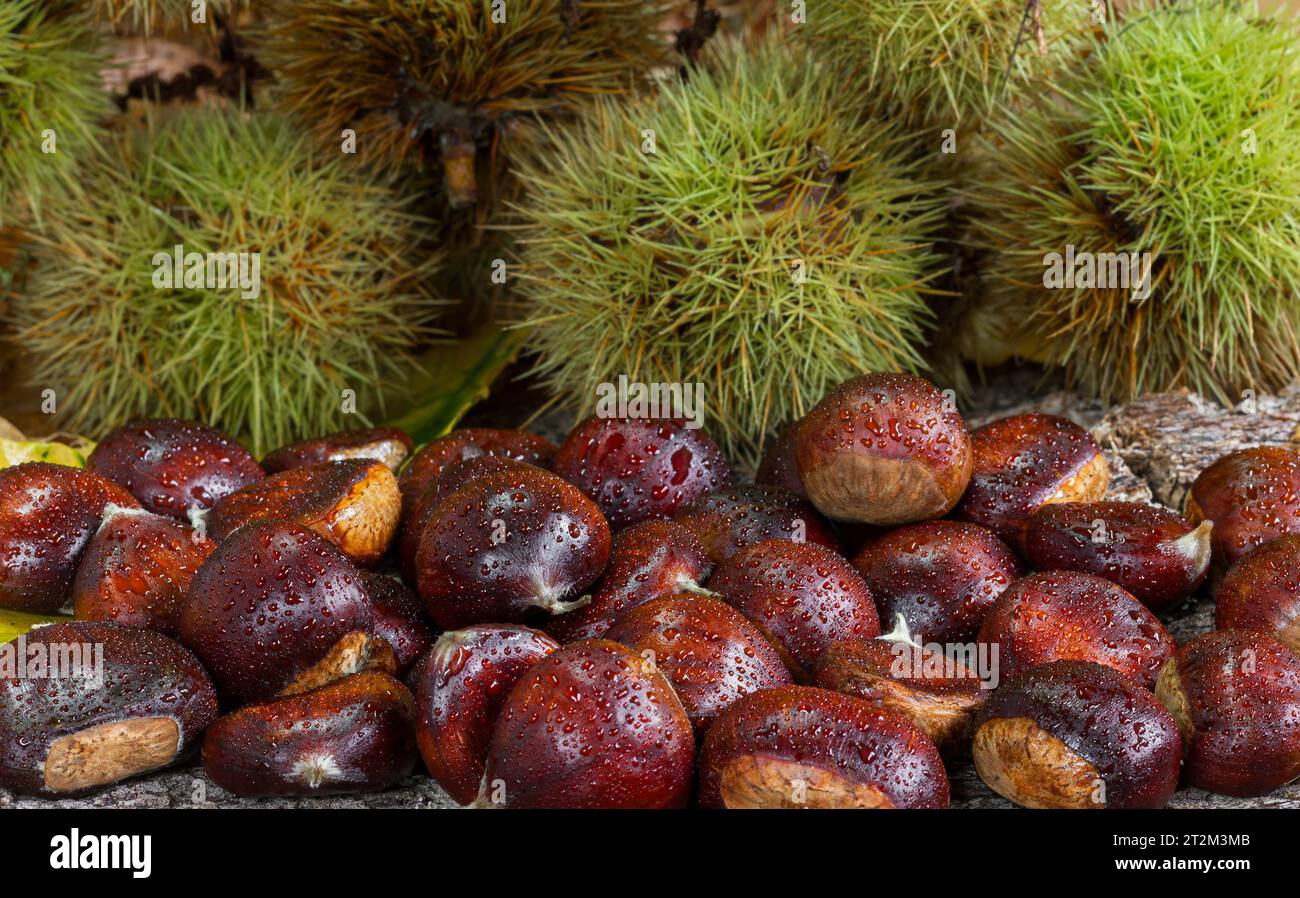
x=174, y=467
x=276, y=608
x=137, y=569
x=65, y=732
x=1251, y=496
x=460, y=687
x=398, y=618
x=353, y=735
x=1236, y=697
x=884, y=449
x=384, y=444
x=467, y=443
x=1072, y=734
x=728, y=520
x=938, y=693
x=508, y=547
x=804, y=597
x=1261, y=592
x=591, y=725
x=1153, y=553
x=801, y=747
x=941, y=576
x=752, y=273
x=48, y=513
x=709, y=651
x=639, y=468
x=1068, y=616
x=649, y=560
x=1024, y=462
x=353, y=503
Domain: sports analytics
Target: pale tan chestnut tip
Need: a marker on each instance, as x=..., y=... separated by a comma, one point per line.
x=869, y=490
x=760, y=781
x=1023, y=763
x=109, y=752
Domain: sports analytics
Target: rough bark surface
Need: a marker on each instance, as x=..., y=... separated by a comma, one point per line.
x=1156, y=446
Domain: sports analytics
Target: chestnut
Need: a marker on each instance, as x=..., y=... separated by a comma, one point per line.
x=137, y=569
x=938, y=692
x=1261, y=592
x=649, y=560
x=1251, y=496
x=1235, y=695
x=472, y=442
x=1152, y=552
x=640, y=468
x=509, y=547
x=174, y=467
x=48, y=514
x=1073, y=734
x=1024, y=462
x=129, y=701
x=780, y=466
x=383, y=444
x=459, y=688
x=803, y=747
x=591, y=725
x=803, y=596
x=398, y=618
x=1069, y=616
x=353, y=735
x=353, y=503
x=941, y=576
x=884, y=449
x=417, y=508
x=708, y=650
x=276, y=607
x=728, y=520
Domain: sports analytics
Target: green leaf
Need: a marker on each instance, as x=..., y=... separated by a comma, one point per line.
x=450, y=379
x=15, y=623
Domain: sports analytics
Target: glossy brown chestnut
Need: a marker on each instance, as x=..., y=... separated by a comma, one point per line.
x=591, y=725
x=174, y=467
x=1235, y=695
x=417, y=509
x=1261, y=592
x=47, y=515
x=460, y=687
x=938, y=693
x=641, y=468
x=941, y=576
x=1072, y=734
x=1153, y=553
x=64, y=731
x=354, y=504
x=277, y=608
x=728, y=520
x=353, y=735
x=649, y=560
x=472, y=442
x=804, y=597
x=780, y=467
x=398, y=618
x=708, y=650
x=884, y=449
x=383, y=444
x=1251, y=496
x=1068, y=616
x=1027, y=461
x=801, y=747
x=137, y=569
x=509, y=547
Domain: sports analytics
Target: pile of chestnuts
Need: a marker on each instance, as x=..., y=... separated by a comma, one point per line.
x=614, y=622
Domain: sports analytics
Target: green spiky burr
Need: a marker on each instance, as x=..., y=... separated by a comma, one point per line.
x=768, y=245
x=1178, y=138
x=341, y=297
